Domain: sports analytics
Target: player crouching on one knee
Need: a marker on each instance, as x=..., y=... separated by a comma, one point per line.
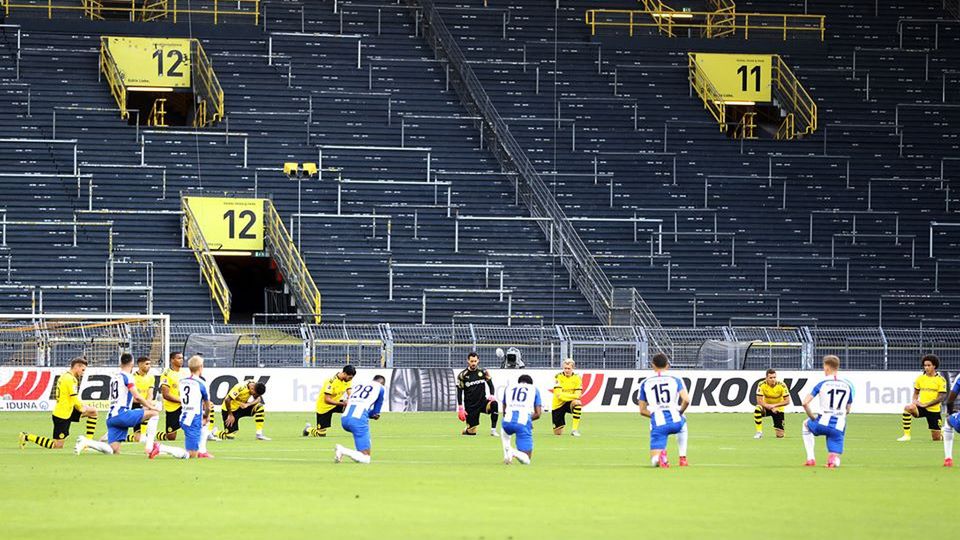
x=567, y=389
x=521, y=405
x=243, y=400
x=663, y=400
x=835, y=396
x=68, y=409
x=363, y=405
x=122, y=416
x=772, y=397
x=929, y=391
x=473, y=399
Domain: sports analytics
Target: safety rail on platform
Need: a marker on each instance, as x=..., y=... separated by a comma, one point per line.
x=710, y=24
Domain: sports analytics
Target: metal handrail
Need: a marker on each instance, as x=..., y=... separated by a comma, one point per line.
x=667, y=20
x=108, y=65
x=579, y=262
x=208, y=264
x=94, y=9
x=712, y=98
x=291, y=263
x=209, y=89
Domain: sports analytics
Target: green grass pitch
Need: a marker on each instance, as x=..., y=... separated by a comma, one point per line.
x=429, y=482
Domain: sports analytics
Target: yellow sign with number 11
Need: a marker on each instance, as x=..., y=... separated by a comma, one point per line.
x=738, y=77
x=229, y=224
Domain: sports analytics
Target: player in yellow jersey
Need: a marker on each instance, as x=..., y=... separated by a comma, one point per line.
x=567, y=389
x=929, y=390
x=772, y=397
x=69, y=408
x=332, y=399
x=144, y=381
x=170, y=390
x=244, y=399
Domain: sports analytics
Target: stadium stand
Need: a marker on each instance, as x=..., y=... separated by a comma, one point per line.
x=411, y=218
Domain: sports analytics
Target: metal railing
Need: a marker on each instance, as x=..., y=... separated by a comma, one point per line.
x=575, y=257
x=193, y=235
x=281, y=247
x=218, y=11
x=404, y=346
x=108, y=65
x=712, y=99
x=206, y=87
x=793, y=97
x=710, y=24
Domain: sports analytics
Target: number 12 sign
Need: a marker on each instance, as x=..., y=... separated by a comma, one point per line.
x=229, y=224
x=152, y=62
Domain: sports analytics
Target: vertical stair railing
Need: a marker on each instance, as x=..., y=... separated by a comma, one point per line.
x=206, y=89
x=574, y=254
x=108, y=65
x=219, y=290
x=793, y=98
x=279, y=243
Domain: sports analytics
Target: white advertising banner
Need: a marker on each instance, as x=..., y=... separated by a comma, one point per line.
x=434, y=389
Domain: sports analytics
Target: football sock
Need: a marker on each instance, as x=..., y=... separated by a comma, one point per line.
x=47, y=442
x=259, y=415
x=178, y=453
x=223, y=435
x=91, y=426
x=682, y=441
x=168, y=436
x=204, y=432
x=521, y=457
x=318, y=432
x=576, y=409
x=808, y=442
x=906, y=420
x=151, y=432
x=131, y=437
x=101, y=447
x=355, y=455
x=505, y=440
x=758, y=418
x=493, y=420
x=948, y=441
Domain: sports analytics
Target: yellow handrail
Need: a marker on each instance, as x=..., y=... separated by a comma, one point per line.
x=243, y=8
x=712, y=99
x=114, y=79
x=746, y=126
x=158, y=113
x=667, y=21
x=285, y=252
x=219, y=290
x=794, y=97
x=206, y=87
x=786, y=131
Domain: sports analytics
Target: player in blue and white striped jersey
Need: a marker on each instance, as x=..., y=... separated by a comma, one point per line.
x=835, y=396
x=122, y=416
x=364, y=404
x=195, y=407
x=663, y=399
x=521, y=405
x=951, y=426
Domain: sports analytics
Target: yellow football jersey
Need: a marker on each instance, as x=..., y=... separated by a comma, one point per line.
x=335, y=388
x=67, y=396
x=144, y=384
x=773, y=394
x=239, y=394
x=566, y=389
x=171, y=379
x=929, y=388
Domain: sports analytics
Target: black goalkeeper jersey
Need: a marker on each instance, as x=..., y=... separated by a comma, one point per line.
x=473, y=387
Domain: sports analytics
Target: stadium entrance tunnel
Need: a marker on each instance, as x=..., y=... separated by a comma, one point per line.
x=161, y=109
x=254, y=283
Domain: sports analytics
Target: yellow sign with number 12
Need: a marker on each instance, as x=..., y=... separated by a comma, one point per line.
x=229, y=224
x=152, y=62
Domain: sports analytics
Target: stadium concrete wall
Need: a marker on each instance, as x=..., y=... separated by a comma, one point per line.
x=434, y=389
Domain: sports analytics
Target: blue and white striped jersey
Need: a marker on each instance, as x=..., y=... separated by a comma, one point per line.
x=835, y=394
x=120, y=397
x=193, y=392
x=519, y=402
x=366, y=399
x=662, y=394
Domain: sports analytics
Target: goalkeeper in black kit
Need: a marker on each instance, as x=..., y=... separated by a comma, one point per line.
x=475, y=395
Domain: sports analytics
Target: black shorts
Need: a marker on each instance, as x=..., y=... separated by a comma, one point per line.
x=61, y=426
x=237, y=415
x=474, y=412
x=776, y=415
x=934, y=422
x=324, y=420
x=172, y=421
x=560, y=414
